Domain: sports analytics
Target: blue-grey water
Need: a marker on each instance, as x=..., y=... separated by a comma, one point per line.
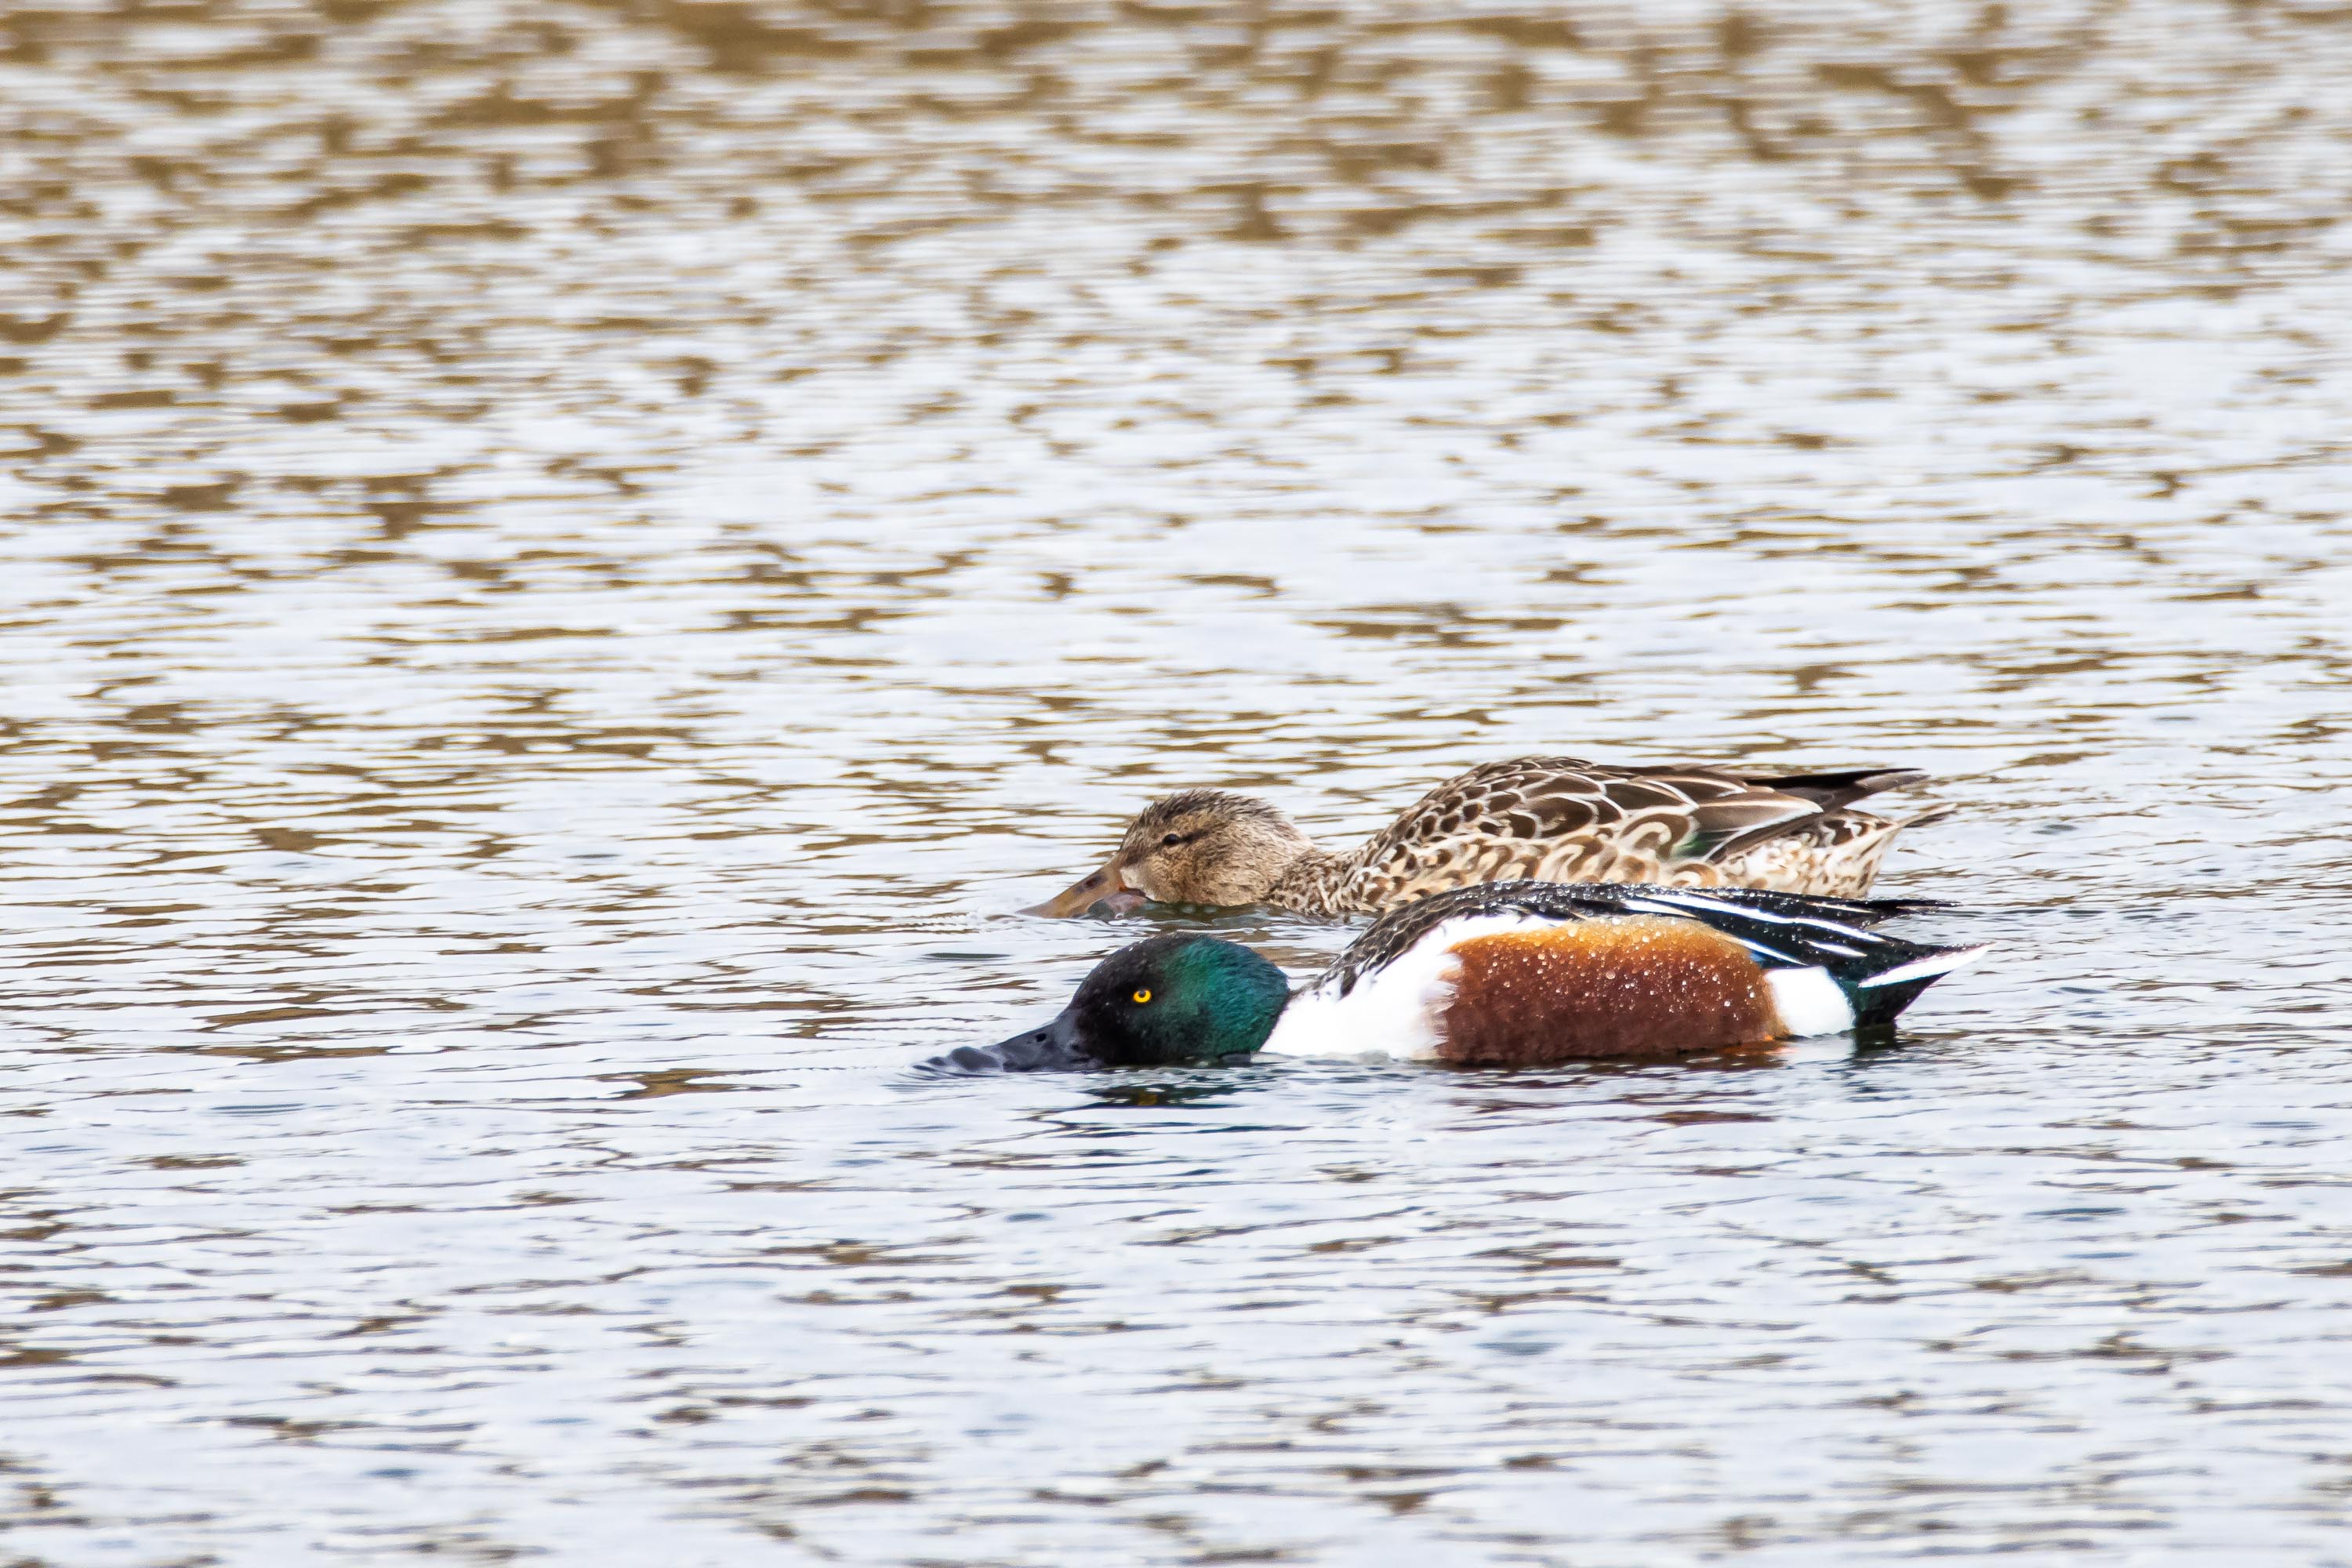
x=567, y=566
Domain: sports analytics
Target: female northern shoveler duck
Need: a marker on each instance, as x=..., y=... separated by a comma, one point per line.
x=1510, y=974
x=1553, y=819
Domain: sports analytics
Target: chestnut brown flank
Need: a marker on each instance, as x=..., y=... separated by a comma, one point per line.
x=1634, y=985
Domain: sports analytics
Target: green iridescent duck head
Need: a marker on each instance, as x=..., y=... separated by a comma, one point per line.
x=1168, y=1000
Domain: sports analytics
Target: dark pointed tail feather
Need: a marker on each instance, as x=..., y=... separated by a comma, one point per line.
x=1877, y=1002
x=1840, y=786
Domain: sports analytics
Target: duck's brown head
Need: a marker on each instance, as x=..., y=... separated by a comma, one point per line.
x=1199, y=846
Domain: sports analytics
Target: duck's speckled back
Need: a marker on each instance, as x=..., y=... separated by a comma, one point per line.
x=1561, y=820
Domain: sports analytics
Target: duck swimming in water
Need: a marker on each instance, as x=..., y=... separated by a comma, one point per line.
x=1512, y=974
x=1553, y=819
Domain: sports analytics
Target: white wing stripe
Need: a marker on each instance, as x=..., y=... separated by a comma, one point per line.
x=1927, y=968
x=1680, y=902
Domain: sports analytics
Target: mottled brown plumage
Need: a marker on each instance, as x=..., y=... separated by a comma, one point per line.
x=1554, y=819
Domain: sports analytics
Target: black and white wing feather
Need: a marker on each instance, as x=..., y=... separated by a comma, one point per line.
x=1737, y=912
x=1879, y=975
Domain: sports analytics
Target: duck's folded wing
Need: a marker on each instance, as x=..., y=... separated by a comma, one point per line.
x=1765, y=915
x=1837, y=786
x=1718, y=829
x=1537, y=803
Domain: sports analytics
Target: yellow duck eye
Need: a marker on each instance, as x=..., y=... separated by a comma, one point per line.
x=1144, y=994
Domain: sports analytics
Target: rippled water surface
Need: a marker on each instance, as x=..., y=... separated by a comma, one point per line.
x=567, y=566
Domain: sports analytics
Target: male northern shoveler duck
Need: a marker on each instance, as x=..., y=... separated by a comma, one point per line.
x=1510, y=974
x=1553, y=819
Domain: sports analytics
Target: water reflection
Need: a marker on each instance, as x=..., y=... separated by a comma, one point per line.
x=571, y=566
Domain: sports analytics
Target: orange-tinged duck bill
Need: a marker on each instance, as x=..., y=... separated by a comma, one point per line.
x=1106, y=886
